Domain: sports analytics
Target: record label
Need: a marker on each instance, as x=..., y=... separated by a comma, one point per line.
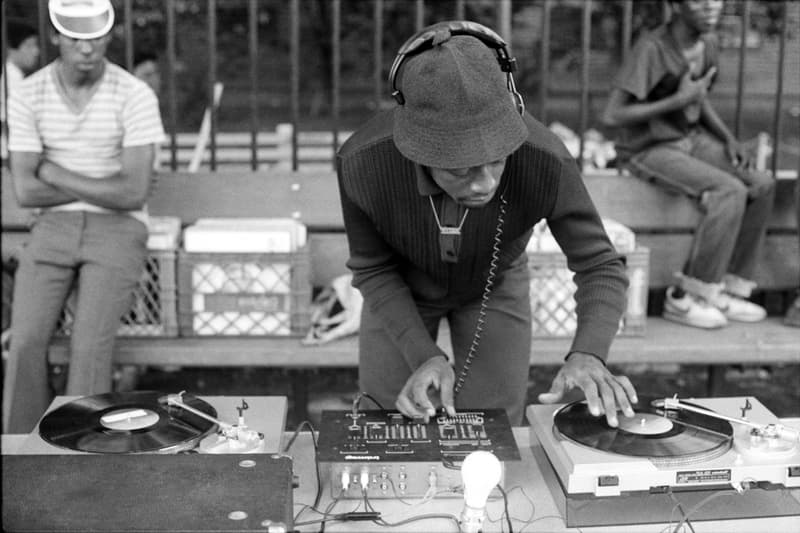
x=129, y=422
x=669, y=436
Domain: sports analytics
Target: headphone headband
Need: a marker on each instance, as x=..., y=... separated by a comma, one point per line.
x=424, y=40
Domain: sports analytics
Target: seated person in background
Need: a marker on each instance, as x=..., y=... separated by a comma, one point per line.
x=82, y=133
x=439, y=198
x=671, y=135
x=22, y=58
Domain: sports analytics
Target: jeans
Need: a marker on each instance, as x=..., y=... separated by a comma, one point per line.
x=498, y=377
x=102, y=255
x=735, y=204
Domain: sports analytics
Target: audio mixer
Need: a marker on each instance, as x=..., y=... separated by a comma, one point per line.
x=385, y=454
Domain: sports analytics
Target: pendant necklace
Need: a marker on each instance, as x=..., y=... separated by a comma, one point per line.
x=449, y=236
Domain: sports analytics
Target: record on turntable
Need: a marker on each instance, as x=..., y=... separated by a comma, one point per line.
x=670, y=451
x=129, y=422
x=663, y=435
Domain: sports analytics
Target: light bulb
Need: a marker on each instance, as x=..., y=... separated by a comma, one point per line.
x=480, y=473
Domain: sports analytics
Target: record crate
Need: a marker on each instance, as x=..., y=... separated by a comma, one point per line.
x=153, y=312
x=552, y=293
x=244, y=293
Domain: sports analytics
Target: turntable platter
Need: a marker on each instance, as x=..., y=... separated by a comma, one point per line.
x=661, y=435
x=130, y=422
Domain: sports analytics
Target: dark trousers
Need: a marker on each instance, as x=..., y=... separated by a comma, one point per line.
x=735, y=204
x=103, y=254
x=498, y=377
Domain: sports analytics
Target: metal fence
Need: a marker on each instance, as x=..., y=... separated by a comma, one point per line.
x=500, y=17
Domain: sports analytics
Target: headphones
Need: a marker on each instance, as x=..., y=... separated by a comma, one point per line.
x=423, y=40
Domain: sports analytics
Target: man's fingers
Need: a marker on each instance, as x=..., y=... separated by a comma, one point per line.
x=406, y=406
x=556, y=391
x=419, y=395
x=589, y=388
x=446, y=393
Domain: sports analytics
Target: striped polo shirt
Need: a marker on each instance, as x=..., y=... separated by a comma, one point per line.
x=123, y=112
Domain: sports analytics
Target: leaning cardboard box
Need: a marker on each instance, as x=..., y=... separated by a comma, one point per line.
x=243, y=276
x=153, y=312
x=552, y=289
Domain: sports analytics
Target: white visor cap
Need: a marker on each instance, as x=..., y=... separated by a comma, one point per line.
x=82, y=19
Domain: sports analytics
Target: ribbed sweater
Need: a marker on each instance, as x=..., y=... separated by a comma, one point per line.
x=394, y=246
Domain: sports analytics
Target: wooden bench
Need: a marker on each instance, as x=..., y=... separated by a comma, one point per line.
x=663, y=222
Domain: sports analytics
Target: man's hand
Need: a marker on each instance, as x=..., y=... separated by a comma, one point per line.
x=437, y=374
x=691, y=91
x=738, y=155
x=604, y=392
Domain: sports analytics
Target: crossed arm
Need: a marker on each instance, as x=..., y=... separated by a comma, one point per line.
x=39, y=182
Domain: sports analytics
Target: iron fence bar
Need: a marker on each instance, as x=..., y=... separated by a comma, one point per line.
x=459, y=15
x=3, y=54
x=252, y=19
x=294, y=51
x=504, y=20
x=778, y=116
x=377, y=46
x=419, y=20
x=627, y=28
x=44, y=26
x=212, y=79
x=742, y=60
x=586, y=34
x=127, y=9
x=171, y=89
x=336, y=67
x=544, y=60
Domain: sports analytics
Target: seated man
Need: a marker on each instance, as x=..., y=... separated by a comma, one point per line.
x=671, y=135
x=82, y=137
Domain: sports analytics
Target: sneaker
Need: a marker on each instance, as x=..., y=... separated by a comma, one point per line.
x=692, y=311
x=739, y=309
x=793, y=314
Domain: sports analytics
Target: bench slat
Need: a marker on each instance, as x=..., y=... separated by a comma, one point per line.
x=765, y=342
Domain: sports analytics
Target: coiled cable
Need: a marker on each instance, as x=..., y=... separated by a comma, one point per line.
x=487, y=289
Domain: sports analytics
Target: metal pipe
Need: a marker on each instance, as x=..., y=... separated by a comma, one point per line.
x=128, y=33
x=336, y=67
x=742, y=59
x=171, y=88
x=252, y=19
x=544, y=60
x=377, y=47
x=212, y=79
x=586, y=35
x=778, y=116
x=294, y=51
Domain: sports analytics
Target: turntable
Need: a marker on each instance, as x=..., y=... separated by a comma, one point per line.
x=150, y=461
x=670, y=457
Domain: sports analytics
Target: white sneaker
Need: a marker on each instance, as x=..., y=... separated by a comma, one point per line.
x=739, y=309
x=692, y=311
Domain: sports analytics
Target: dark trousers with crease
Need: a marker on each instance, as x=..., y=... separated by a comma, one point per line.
x=498, y=377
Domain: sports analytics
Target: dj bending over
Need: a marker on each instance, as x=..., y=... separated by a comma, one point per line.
x=439, y=197
x=81, y=142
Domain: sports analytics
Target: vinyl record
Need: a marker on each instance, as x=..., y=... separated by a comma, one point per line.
x=669, y=436
x=129, y=422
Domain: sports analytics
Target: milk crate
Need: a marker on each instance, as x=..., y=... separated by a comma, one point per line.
x=154, y=309
x=552, y=294
x=261, y=293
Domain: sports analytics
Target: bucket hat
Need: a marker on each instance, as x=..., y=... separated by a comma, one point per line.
x=458, y=112
x=82, y=19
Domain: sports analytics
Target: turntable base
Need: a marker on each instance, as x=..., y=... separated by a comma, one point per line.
x=598, y=487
